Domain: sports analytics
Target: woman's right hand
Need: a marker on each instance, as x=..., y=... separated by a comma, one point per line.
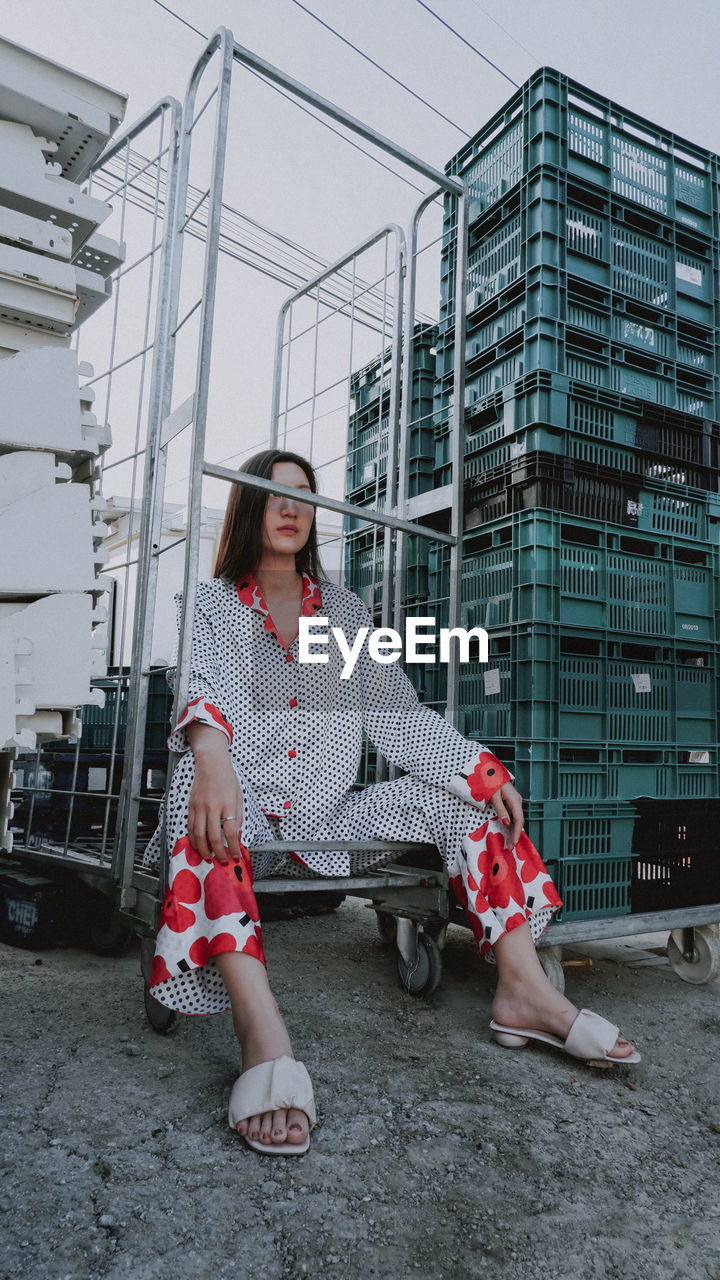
x=215, y=794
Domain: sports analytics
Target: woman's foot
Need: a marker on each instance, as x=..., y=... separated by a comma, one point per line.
x=525, y=997
x=539, y=1009
x=263, y=1037
x=263, y=1044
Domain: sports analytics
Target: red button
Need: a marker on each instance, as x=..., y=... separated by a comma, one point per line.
x=292, y=754
x=293, y=702
x=287, y=804
x=288, y=657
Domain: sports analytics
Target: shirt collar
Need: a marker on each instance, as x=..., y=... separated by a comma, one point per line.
x=250, y=594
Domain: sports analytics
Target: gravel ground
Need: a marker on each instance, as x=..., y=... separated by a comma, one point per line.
x=438, y=1154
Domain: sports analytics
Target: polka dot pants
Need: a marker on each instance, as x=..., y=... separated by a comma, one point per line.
x=209, y=908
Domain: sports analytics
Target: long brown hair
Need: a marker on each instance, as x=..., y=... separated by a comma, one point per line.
x=240, y=549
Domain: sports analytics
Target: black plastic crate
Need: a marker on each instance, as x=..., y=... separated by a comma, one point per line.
x=556, y=483
x=35, y=910
x=678, y=855
x=47, y=811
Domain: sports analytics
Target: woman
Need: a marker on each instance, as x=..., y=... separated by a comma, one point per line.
x=270, y=746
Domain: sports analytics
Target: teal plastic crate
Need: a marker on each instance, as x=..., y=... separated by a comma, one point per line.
x=555, y=683
x=551, y=769
x=368, y=422
x=549, y=411
x=552, y=119
x=98, y=723
x=552, y=221
x=540, y=566
x=578, y=829
x=596, y=319
x=548, y=319
x=364, y=568
x=593, y=888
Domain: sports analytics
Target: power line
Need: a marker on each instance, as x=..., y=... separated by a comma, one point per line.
x=510, y=35
x=337, y=132
x=377, y=66
x=173, y=14
x=308, y=112
x=479, y=53
x=246, y=240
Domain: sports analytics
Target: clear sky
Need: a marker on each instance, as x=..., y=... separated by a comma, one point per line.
x=656, y=57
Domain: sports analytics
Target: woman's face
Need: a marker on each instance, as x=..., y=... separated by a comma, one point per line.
x=287, y=523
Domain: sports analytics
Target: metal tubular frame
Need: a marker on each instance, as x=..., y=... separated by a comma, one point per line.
x=393, y=519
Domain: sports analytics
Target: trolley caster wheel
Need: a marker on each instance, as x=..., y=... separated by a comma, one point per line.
x=387, y=926
x=422, y=977
x=438, y=933
x=108, y=936
x=695, y=954
x=161, y=1019
x=553, y=968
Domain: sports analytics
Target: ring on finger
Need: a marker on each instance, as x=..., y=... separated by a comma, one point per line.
x=230, y=818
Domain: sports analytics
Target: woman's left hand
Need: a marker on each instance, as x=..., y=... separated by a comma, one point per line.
x=507, y=803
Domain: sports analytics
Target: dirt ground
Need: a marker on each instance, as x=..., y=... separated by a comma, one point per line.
x=439, y=1155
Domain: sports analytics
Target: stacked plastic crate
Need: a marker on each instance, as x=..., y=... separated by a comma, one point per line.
x=54, y=272
x=366, y=474
x=592, y=514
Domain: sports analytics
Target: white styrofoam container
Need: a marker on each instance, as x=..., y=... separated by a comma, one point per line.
x=101, y=255
x=60, y=648
x=92, y=290
x=39, y=234
x=37, y=290
x=46, y=530
x=47, y=726
x=15, y=682
x=43, y=406
x=64, y=106
x=22, y=337
x=36, y=189
x=7, y=784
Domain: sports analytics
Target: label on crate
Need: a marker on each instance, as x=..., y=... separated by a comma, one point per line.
x=492, y=681
x=633, y=511
x=693, y=275
x=641, y=680
x=22, y=915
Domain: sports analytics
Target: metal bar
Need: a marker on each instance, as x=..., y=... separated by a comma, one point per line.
x=113, y=368
x=395, y=426
x=349, y=846
x=298, y=90
x=319, y=500
x=286, y=311
x=343, y=884
x=132, y=266
x=189, y=217
x=222, y=41
x=151, y=523
x=625, y=926
x=407, y=384
x=457, y=455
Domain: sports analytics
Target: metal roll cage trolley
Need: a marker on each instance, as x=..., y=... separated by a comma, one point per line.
x=410, y=894
x=412, y=898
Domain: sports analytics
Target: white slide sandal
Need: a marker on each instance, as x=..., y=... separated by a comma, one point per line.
x=273, y=1086
x=590, y=1037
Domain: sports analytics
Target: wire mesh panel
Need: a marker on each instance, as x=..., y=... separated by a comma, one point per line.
x=340, y=320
